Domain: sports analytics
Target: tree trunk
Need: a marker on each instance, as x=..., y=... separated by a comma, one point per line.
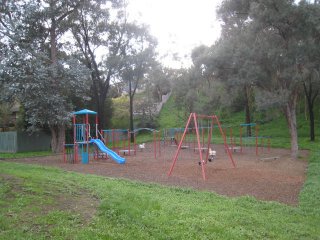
x=57, y=138
x=57, y=132
x=310, y=98
x=131, y=118
x=311, y=122
x=290, y=112
x=101, y=110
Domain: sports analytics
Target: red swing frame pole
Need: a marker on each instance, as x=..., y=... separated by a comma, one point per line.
x=202, y=163
x=241, y=139
x=155, y=145
x=179, y=146
x=199, y=147
x=257, y=143
x=159, y=142
x=209, y=138
x=225, y=142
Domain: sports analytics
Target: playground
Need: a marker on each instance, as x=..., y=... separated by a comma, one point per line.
x=199, y=156
x=273, y=179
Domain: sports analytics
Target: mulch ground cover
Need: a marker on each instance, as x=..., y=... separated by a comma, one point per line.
x=271, y=175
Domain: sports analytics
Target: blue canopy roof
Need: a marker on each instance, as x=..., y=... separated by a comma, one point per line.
x=84, y=111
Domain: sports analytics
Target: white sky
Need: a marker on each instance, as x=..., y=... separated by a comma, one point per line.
x=179, y=25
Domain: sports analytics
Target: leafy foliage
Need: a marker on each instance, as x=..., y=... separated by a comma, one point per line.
x=263, y=50
x=35, y=70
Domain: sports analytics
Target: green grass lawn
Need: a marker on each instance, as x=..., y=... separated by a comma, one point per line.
x=41, y=202
x=25, y=154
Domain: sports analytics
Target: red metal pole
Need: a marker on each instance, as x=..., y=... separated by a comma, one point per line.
x=159, y=142
x=202, y=137
x=257, y=150
x=179, y=146
x=87, y=134
x=194, y=141
x=209, y=139
x=241, y=139
x=129, y=144
x=123, y=141
x=74, y=128
x=75, y=150
x=135, y=143
x=199, y=147
x=231, y=142
x=154, y=145
x=225, y=142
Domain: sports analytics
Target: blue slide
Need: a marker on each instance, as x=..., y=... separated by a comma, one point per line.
x=108, y=151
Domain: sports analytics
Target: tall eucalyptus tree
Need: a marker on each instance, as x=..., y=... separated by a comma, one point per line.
x=138, y=61
x=268, y=36
x=34, y=69
x=108, y=44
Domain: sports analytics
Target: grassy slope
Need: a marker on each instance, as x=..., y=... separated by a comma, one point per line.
x=277, y=128
x=170, y=117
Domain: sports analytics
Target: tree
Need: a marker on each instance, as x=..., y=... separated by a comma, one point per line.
x=106, y=41
x=311, y=86
x=35, y=70
x=275, y=28
x=159, y=80
x=234, y=65
x=308, y=61
x=100, y=39
x=280, y=62
x=185, y=89
x=5, y=116
x=138, y=60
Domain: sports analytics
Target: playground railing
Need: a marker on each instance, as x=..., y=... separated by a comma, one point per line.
x=69, y=153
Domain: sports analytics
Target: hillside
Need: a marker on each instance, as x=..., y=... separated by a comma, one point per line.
x=271, y=123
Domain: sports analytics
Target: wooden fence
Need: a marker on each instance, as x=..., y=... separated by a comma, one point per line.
x=12, y=142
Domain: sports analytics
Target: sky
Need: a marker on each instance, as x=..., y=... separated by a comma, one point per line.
x=178, y=25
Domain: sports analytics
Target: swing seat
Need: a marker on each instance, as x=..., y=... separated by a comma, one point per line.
x=212, y=155
x=126, y=151
x=234, y=149
x=201, y=149
x=184, y=147
x=200, y=162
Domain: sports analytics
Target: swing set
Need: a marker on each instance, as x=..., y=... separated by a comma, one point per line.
x=202, y=143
